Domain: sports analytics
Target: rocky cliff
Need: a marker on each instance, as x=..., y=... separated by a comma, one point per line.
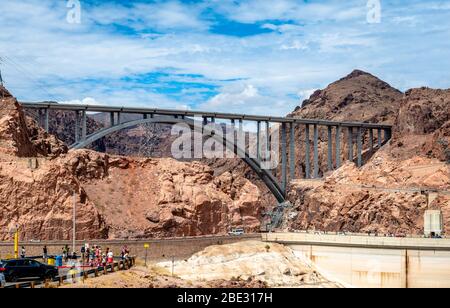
x=116, y=197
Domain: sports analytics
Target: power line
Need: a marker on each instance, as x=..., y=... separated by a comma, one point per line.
x=26, y=73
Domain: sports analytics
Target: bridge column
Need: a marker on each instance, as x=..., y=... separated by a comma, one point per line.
x=359, y=146
x=47, y=128
x=350, y=144
x=316, y=151
x=77, y=126
x=258, y=140
x=307, y=153
x=387, y=135
x=338, y=147
x=145, y=116
x=111, y=119
x=84, y=126
x=283, y=158
x=268, y=154
x=241, y=136
x=330, y=148
x=371, y=139
x=119, y=118
x=379, y=138
x=292, y=151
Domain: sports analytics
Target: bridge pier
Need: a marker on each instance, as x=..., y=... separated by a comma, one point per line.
x=330, y=147
x=307, y=153
x=379, y=138
x=359, y=145
x=77, y=126
x=350, y=144
x=258, y=140
x=371, y=140
x=316, y=151
x=283, y=158
x=84, y=126
x=111, y=119
x=338, y=146
x=46, y=119
x=292, y=152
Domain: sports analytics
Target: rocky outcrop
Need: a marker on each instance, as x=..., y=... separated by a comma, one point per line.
x=382, y=197
x=163, y=197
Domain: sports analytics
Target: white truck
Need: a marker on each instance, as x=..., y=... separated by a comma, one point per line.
x=236, y=232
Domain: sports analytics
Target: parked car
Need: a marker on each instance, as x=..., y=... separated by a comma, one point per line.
x=237, y=232
x=17, y=269
x=2, y=280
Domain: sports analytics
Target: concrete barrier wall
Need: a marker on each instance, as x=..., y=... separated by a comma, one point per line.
x=159, y=249
x=374, y=262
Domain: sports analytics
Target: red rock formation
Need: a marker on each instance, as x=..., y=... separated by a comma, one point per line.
x=163, y=197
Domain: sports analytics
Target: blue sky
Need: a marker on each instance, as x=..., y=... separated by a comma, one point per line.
x=255, y=56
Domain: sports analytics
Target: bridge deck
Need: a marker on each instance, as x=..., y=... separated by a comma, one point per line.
x=190, y=113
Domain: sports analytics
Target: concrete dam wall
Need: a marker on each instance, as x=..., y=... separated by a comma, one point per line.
x=373, y=262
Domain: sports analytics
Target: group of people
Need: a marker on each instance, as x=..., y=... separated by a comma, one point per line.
x=95, y=256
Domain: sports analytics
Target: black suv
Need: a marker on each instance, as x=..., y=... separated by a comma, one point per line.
x=26, y=268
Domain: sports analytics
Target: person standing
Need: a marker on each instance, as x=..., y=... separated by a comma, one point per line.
x=83, y=253
x=22, y=253
x=110, y=256
x=45, y=253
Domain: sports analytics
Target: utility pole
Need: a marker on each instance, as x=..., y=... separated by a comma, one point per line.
x=74, y=222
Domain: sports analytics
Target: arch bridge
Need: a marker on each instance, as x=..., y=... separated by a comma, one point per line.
x=352, y=133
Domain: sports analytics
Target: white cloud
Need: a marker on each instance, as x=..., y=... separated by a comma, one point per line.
x=312, y=45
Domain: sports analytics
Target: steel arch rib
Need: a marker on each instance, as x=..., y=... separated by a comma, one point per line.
x=267, y=177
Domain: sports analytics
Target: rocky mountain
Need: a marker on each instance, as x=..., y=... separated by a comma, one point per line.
x=384, y=196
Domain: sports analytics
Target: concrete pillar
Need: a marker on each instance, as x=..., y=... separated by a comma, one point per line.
x=359, y=142
x=258, y=140
x=283, y=158
x=307, y=153
x=145, y=116
x=77, y=126
x=47, y=128
x=316, y=151
x=292, y=151
x=119, y=118
x=379, y=138
x=338, y=147
x=267, y=156
x=387, y=135
x=241, y=136
x=330, y=148
x=371, y=139
x=350, y=144
x=111, y=119
x=84, y=125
